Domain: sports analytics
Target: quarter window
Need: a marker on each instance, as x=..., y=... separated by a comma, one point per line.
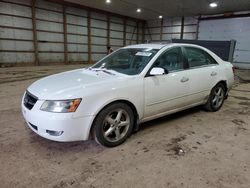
x=171, y=60
x=198, y=57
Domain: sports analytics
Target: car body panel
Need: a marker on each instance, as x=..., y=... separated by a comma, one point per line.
x=164, y=92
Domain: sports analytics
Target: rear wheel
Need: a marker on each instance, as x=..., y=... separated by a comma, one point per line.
x=113, y=124
x=216, y=98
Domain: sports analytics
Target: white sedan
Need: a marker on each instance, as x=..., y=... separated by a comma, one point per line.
x=132, y=85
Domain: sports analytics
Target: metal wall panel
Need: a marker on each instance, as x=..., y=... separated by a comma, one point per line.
x=99, y=23
x=98, y=32
x=101, y=49
x=98, y=16
x=176, y=36
x=190, y=28
x=191, y=20
x=73, y=10
x=9, y=57
x=166, y=37
x=116, y=19
x=116, y=26
x=154, y=23
x=78, y=57
x=23, y=2
x=48, y=5
x=16, y=45
x=97, y=57
x=77, y=30
x=48, y=26
x=49, y=15
x=131, y=23
x=54, y=39
x=77, y=48
x=50, y=47
x=15, y=22
x=15, y=34
x=15, y=9
x=189, y=36
x=130, y=29
x=116, y=42
x=116, y=34
x=229, y=29
x=72, y=19
x=43, y=36
x=155, y=37
x=77, y=39
x=171, y=28
x=51, y=57
x=154, y=30
x=96, y=40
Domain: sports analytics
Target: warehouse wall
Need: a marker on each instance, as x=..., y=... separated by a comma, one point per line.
x=230, y=29
x=46, y=33
x=171, y=28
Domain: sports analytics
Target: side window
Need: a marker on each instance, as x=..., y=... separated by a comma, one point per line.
x=198, y=57
x=171, y=60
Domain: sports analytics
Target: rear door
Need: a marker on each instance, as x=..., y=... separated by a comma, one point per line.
x=202, y=73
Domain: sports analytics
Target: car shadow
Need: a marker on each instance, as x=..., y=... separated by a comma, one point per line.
x=169, y=118
x=91, y=146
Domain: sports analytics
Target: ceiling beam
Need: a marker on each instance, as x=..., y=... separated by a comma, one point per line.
x=224, y=16
x=75, y=5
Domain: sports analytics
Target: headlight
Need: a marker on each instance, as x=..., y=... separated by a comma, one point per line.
x=61, y=106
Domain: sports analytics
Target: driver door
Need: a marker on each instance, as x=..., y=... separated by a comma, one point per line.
x=166, y=92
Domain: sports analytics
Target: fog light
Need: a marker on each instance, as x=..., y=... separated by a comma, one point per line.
x=54, y=133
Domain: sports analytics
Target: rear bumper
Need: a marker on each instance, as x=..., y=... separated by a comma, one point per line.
x=60, y=127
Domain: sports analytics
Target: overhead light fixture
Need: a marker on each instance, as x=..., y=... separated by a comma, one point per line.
x=108, y=1
x=138, y=10
x=160, y=17
x=213, y=4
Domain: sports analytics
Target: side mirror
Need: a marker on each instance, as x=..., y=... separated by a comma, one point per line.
x=157, y=71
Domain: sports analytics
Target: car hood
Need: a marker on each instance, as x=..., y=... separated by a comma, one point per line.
x=71, y=84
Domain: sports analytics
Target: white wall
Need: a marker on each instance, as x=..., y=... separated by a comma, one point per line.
x=230, y=29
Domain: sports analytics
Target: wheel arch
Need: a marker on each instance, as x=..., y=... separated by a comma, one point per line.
x=129, y=103
x=224, y=82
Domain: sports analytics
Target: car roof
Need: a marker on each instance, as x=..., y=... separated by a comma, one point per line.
x=149, y=45
x=160, y=45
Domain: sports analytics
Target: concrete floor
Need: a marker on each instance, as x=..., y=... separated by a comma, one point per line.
x=216, y=146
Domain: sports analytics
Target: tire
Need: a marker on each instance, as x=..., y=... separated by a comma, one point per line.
x=216, y=98
x=113, y=125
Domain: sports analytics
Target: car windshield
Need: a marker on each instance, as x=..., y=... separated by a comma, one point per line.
x=130, y=61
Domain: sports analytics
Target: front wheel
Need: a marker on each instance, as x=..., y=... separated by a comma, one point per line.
x=113, y=124
x=216, y=98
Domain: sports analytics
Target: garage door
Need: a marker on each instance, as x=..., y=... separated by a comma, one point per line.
x=227, y=29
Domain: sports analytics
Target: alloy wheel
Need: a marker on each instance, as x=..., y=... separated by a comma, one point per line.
x=218, y=97
x=116, y=125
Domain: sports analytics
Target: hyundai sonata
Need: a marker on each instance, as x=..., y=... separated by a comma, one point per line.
x=132, y=85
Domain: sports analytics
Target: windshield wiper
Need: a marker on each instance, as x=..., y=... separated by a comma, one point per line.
x=103, y=70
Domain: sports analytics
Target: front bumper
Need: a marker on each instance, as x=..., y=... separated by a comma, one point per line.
x=62, y=127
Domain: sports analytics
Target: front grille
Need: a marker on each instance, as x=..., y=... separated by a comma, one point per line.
x=29, y=100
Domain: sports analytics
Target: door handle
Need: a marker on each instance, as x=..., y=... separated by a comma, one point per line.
x=213, y=73
x=184, y=79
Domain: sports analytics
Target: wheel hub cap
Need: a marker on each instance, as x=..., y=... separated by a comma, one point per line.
x=116, y=125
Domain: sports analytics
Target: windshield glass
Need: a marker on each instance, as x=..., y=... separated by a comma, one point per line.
x=130, y=61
